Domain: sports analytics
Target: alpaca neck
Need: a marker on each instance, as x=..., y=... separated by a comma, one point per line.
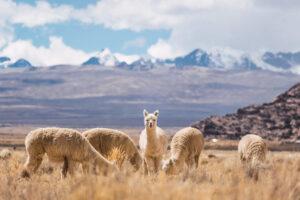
x=96, y=156
x=151, y=135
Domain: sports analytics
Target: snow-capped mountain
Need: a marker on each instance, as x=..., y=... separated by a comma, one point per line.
x=20, y=64
x=6, y=62
x=217, y=59
x=225, y=59
x=142, y=64
x=4, y=59
x=282, y=60
x=105, y=58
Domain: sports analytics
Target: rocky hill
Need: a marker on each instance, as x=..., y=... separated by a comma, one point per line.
x=278, y=120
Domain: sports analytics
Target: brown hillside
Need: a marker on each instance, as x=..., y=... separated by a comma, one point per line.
x=278, y=120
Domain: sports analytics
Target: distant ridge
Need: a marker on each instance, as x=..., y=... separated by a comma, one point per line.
x=220, y=59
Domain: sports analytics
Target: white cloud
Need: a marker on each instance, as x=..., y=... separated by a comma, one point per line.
x=247, y=25
x=40, y=14
x=33, y=15
x=163, y=49
x=6, y=35
x=56, y=53
x=126, y=58
x=136, y=43
x=296, y=70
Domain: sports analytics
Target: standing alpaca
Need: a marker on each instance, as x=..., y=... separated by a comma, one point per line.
x=153, y=142
x=61, y=145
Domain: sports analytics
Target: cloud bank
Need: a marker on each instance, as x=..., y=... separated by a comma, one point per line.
x=246, y=25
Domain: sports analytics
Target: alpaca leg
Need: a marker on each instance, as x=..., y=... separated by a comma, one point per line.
x=145, y=167
x=38, y=163
x=157, y=162
x=64, y=169
x=134, y=161
x=85, y=168
x=189, y=162
x=196, y=160
x=72, y=166
x=150, y=164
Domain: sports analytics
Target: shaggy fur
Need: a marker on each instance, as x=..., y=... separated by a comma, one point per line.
x=252, y=150
x=186, y=146
x=104, y=140
x=5, y=154
x=153, y=142
x=61, y=145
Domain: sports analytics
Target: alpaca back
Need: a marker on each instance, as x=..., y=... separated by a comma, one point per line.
x=187, y=141
x=252, y=147
x=57, y=143
x=104, y=140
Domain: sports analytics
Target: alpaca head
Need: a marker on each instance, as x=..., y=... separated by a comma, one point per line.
x=168, y=166
x=150, y=119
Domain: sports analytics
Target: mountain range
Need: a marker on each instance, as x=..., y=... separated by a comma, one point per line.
x=215, y=59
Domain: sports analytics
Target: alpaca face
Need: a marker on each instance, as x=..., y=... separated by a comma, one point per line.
x=150, y=119
x=168, y=166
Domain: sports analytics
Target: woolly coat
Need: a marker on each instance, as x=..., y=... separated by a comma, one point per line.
x=104, y=140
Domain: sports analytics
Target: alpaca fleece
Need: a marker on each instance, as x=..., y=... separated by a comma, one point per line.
x=63, y=145
x=186, y=147
x=104, y=140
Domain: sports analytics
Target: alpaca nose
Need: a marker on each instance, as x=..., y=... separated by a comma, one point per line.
x=150, y=124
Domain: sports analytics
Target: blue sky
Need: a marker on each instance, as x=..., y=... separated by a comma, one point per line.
x=89, y=37
x=48, y=32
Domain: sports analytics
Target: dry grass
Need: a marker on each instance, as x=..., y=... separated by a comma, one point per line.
x=118, y=156
x=220, y=176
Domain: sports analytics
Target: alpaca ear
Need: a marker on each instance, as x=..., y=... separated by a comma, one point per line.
x=156, y=113
x=145, y=112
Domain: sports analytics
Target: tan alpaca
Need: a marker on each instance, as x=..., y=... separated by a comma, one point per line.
x=153, y=142
x=104, y=140
x=186, y=146
x=252, y=150
x=61, y=145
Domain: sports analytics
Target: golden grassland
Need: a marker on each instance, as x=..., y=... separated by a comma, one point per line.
x=219, y=176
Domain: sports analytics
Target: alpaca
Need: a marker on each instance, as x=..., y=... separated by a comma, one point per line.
x=61, y=145
x=252, y=150
x=153, y=142
x=186, y=146
x=105, y=140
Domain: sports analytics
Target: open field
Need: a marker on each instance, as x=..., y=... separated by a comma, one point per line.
x=220, y=176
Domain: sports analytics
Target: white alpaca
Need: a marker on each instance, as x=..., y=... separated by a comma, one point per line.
x=186, y=147
x=153, y=142
x=62, y=145
x=252, y=150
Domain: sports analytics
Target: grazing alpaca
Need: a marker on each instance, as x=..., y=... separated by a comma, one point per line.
x=186, y=146
x=153, y=142
x=106, y=140
x=62, y=145
x=252, y=150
